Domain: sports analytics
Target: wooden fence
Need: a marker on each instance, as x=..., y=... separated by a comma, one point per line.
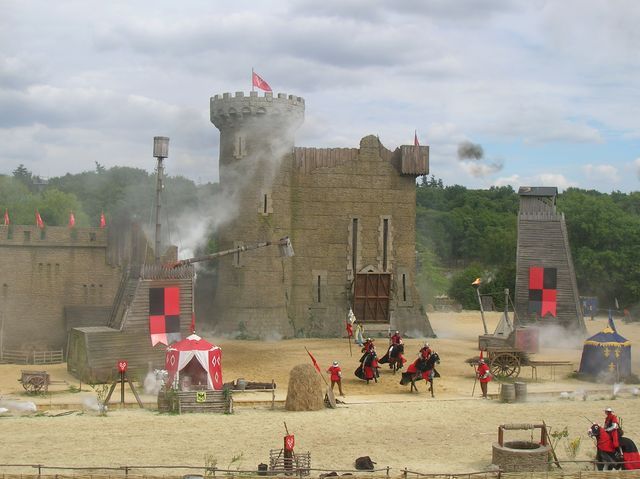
x=31, y=357
x=205, y=401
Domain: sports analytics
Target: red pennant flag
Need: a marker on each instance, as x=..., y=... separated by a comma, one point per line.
x=315, y=363
x=415, y=138
x=6, y=217
x=349, y=329
x=258, y=82
x=72, y=220
x=39, y=221
x=103, y=220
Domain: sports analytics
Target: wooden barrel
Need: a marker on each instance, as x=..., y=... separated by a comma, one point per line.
x=521, y=391
x=507, y=393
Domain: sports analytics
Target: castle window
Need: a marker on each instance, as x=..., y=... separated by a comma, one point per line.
x=10, y=232
x=319, y=287
x=354, y=245
x=27, y=236
x=5, y=290
x=385, y=243
x=404, y=287
x=265, y=205
x=239, y=147
x=92, y=236
x=43, y=234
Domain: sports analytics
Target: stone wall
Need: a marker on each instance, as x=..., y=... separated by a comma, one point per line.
x=42, y=272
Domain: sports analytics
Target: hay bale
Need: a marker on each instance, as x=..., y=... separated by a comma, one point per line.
x=305, y=391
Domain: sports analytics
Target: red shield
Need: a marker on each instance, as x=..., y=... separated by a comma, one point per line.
x=122, y=366
x=289, y=442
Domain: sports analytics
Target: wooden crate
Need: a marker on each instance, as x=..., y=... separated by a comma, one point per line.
x=210, y=401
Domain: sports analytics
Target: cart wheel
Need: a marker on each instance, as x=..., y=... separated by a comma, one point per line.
x=35, y=384
x=505, y=365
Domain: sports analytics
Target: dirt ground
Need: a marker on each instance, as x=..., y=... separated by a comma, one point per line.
x=452, y=432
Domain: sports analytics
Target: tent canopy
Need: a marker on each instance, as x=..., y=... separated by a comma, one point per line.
x=606, y=354
x=193, y=353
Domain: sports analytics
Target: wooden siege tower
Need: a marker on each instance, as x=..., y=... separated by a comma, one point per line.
x=546, y=287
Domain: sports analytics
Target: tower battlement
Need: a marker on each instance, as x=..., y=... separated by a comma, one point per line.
x=229, y=110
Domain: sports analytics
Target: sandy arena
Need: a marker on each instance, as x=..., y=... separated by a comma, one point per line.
x=451, y=433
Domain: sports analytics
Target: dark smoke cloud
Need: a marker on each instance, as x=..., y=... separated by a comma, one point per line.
x=470, y=151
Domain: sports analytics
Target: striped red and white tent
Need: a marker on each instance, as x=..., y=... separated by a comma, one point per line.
x=196, y=358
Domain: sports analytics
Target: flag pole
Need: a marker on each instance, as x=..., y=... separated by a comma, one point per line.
x=253, y=88
x=349, y=341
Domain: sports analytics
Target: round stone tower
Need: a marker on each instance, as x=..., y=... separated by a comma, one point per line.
x=256, y=158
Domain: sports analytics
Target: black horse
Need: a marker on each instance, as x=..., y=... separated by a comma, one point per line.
x=422, y=369
x=368, y=368
x=606, y=459
x=394, y=357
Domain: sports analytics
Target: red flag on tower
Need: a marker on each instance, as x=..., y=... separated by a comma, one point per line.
x=39, y=221
x=103, y=220
x=415, y=138
x=72, y=220
x=6, y=217
x=258, y=82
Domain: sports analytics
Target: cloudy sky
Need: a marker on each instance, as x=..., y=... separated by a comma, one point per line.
x=550, y=90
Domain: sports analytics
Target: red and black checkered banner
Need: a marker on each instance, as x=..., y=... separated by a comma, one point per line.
x=164, y=315
x=542, y=291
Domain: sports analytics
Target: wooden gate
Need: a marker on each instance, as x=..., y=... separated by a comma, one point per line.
x=371, y=297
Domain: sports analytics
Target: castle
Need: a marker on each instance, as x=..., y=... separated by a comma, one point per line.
x=350, y=214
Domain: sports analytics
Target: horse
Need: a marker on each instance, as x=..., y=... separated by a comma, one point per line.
x=422, y=368
x=368, y=368
x=394, y=357
x=607, y=457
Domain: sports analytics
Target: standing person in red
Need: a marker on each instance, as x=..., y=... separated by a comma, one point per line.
x=336, y=376
x=612, y=427
x=484, y=376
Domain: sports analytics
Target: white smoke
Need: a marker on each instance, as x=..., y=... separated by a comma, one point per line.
x=553, y=336
x=19, y=406
x=154, y=380
x=91, y=403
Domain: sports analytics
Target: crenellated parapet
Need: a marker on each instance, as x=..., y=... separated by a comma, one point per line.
x=230, y=111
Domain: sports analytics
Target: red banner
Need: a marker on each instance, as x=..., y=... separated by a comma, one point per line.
x=289, y=442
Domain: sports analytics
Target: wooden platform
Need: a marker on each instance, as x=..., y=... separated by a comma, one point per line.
x=208, y=401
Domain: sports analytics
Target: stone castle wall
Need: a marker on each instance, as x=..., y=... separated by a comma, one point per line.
x=311, y=195
x=42, y=272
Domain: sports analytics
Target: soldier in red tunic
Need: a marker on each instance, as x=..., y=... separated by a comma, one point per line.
x=336, y=376
x=396, y=339
x=612, y=427
x=425, y=351
x=484, y=376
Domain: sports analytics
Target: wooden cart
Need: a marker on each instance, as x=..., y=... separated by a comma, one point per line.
x=35, y=381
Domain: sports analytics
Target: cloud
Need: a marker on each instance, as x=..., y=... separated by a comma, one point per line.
x=544, y=179
x=601, y=172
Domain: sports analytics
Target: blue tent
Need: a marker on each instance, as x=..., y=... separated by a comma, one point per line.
x=606, y=354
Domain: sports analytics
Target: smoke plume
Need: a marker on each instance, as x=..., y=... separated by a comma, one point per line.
x=470, y=151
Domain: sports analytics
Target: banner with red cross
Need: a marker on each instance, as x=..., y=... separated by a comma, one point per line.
x=164, y=315
x=543, y=291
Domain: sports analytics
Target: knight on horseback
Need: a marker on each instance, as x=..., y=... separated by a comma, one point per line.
x=610, y=456
x=368, y=368
x=394, y=355
x=422, y=368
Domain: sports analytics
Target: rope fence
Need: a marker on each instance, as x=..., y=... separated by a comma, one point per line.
x=209, y=472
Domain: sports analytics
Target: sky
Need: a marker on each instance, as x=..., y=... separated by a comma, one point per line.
x=547, y=91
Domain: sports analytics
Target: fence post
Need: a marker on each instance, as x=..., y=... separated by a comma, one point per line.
x=126, y=471
x=405, y=473
x=387, y=471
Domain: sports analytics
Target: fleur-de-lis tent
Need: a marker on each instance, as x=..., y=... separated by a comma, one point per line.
x=196, y=360
x=606, y=355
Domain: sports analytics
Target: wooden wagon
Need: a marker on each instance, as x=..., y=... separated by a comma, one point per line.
x=35, y=381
